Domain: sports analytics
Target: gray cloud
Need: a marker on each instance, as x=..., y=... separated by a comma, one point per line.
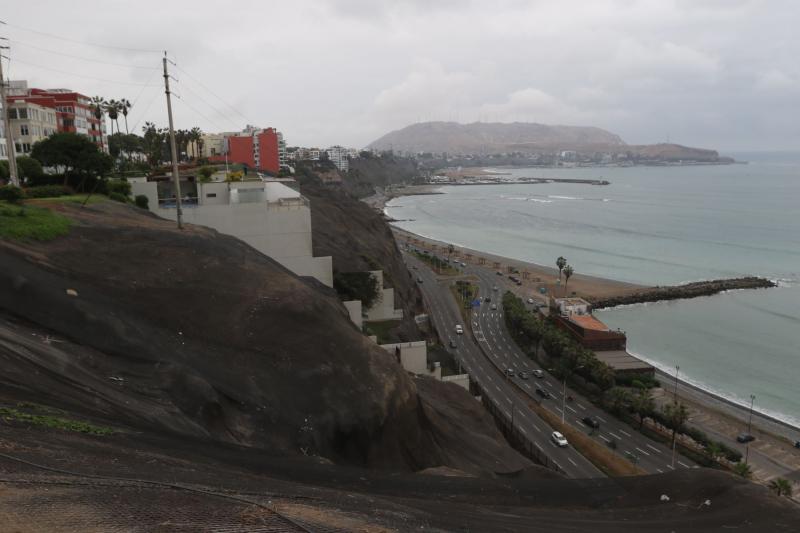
x=714, y=73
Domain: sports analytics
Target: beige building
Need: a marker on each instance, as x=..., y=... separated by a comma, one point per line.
x=383, y=308
x=30, y=123
x=270, y=216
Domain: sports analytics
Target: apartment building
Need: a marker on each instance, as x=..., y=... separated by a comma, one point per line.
x=30, y=123
x=340, y=157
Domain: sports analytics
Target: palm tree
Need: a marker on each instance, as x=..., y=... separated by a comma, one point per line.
x=713, y=450
x=98, y=107
x=643, y=405
x=112, y=108
x=568, y=272
x=677, y=414
x=561, y=262
x=195, y=135
x=782, y=487
x=743, y=469
x=125, y=106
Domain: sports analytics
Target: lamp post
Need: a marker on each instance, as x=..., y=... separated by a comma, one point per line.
x=677, y=369
x=749, y=426
x=564, y=396
x=675, y=440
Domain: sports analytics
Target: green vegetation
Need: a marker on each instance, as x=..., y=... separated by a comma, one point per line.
x=11, y=194
x=31, y=223
x=48, y=191
x=380, y=329
x=83, y=162
x=54, y=422
x=357, y=286
x=561, y=262
x=781, y=487
x=570, y=358
x=568, y=272
x=743, y=469
x=438, y=265
x=204, y=173
x=142, y=201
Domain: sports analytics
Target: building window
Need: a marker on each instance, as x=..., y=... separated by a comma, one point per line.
x=23, y=129
x=26, y=147
x=22, y=113
x=12, y=114
x=17, y=148
x=211, y=195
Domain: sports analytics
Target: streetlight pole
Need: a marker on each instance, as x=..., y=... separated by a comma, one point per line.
x=677, y=369
x=675, y=440
x=13, y=176
x=564, y=400
x=749, y=426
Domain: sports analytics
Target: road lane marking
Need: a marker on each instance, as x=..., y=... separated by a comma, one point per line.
x=537, y=445
x=683, y=465
x=653, y=448
x=659, y=471
x=498, y=388
x=601, y=419
x=558, y=465
x=579, y=405
x=615, y=436
x=522, y=429
x=571, y=409
x=642, y=451
x=625, y=433
x=605, y=439
x=571, y=461
x=527, y=386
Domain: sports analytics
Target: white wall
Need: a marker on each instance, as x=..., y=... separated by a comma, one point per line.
x=413, y=356
x=383, y=308
x=354, y=309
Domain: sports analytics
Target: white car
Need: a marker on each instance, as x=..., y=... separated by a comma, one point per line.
x=559, y=439
x=495, y=288
x=459, y=329
x=530, y=300
x=538, y=373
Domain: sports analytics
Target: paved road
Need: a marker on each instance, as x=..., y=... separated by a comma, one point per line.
x=445, y=315
x=650, y=455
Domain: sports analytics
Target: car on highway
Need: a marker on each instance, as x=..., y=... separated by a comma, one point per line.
x=495, y=288
x=419, y=279
x=538, y=373
x=543, y=393
x=414, y=267
x=459, y=329
x=464, y=265
x=591, y=421
x=499, y=273
x=523, y=374
x=487, y=299
x=745, y=438
x=510, y=372
x=494, y=307
x=453, y=344
x=559, y=439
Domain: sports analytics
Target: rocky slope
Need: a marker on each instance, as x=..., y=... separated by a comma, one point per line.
x=359, y=239
x=192, y=332
x=489, y=138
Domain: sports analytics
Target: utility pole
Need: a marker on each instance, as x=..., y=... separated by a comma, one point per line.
x=175, y=174
x=12, y=156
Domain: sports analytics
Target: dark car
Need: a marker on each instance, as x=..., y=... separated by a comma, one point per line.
x=543, y=393
x=745, y=437
x=453, y=344
x=487, y=299
x=419, y=280
x=591, y=421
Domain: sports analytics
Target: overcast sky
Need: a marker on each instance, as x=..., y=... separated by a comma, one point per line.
x=712, y=73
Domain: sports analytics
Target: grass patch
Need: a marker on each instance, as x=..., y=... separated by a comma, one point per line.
x=380, y=329
x=73, y=198
x=24, y=223
x=54, y=422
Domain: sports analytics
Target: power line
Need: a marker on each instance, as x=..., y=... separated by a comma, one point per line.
x=85, y=43
x=198, y=82
x=82, y=58
x=146, y=109
x=187, y=104
x=222, y=114
x=81, y=75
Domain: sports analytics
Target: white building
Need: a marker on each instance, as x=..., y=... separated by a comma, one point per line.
x=572, y=306
x=413, y=357
x=270, y=216
x=383, y=308
x=340, y=157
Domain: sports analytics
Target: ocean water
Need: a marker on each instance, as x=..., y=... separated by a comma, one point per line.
x=660, y=226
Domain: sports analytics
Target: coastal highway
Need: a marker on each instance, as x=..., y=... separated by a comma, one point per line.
x=496, y=342
x=445, y=315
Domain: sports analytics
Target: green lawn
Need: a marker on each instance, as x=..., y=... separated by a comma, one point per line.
x=380, y=329
x=26, y=222
x=54, y=422
x=75, y=198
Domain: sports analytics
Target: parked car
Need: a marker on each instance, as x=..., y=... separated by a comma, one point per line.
x=495, y=288
x=591, y=421
x=499, y=273
x=523, y=374
x=543, y=393
x=559, y=439
x=459, y=329
x=745, y=437
x=538, y=373
x=510, y=372
x=487, y=299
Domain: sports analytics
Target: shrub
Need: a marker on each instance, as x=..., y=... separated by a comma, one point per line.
x=11, y=194
x=204, y=174
x=48, y=191
x=142, y=201
x=118, y=186
x=357, y=286
x=118, y=197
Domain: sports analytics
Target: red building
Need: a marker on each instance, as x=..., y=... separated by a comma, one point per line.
x=258, y=150
x=73, y=110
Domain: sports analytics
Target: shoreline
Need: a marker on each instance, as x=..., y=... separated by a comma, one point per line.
x=613, y=289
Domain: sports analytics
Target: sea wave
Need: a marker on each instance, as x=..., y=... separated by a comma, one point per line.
x=557, y=197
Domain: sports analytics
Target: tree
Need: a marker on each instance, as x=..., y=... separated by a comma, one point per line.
x=153, y=142
x=713, y=450
x=643, y=405
x=29, y=170
x=676, y=415
x=619, y=399
x=76, y=154
x=111, y=108
x=195, y=134
x=743, y=470
x=561, y=262
x=568, y=272
x=125, y=106
x=782, y=487
x=98, y=108
x=205, y=173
